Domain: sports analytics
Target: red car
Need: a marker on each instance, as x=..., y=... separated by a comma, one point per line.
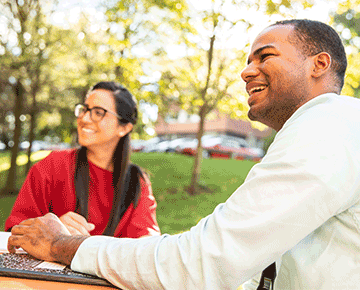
x=223, y=147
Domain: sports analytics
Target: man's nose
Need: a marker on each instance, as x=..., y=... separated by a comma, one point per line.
x=249, y=72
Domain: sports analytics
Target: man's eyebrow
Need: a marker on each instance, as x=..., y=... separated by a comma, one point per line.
x=259, y=50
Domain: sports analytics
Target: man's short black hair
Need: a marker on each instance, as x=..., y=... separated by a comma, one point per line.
x=314, y=37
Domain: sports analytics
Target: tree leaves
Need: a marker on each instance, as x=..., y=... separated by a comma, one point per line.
x=347, y=21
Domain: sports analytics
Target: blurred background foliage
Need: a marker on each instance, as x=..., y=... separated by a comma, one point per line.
x=166, y=52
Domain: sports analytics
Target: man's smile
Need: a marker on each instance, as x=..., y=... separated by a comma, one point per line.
x=254, y=89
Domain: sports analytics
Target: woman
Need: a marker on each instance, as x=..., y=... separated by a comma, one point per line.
x=93, y=190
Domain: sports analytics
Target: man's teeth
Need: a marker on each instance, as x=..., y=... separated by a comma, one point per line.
x=257, y=89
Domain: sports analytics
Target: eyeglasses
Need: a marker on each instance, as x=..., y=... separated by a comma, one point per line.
x=96, y=113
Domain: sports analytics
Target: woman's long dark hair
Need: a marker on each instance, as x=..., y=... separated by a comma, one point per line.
x=126, y=176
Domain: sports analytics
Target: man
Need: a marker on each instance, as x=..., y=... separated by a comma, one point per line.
x=299, y=206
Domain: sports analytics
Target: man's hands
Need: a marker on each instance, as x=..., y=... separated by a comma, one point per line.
x=36, y=236
x=76, y=224
x=45, y=238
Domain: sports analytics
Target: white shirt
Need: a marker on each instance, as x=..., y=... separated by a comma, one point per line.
x=300, y=205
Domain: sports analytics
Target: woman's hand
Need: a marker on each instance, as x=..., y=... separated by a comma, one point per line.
x=76, y=224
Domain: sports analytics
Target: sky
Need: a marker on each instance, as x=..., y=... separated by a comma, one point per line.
x=70, y=9
x=320, y=10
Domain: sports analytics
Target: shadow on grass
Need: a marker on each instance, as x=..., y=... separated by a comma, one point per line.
x=9, y=192
x=202, y=188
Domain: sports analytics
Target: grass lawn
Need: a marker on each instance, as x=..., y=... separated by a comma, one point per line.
x=20, y=161
x=170, y=174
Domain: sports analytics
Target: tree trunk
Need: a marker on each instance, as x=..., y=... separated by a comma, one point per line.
x=194, y=185
x=35, y=87
x=19, y=97
x=31, y=137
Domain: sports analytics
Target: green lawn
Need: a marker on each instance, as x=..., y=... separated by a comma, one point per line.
x=170, y=174
x=20, y=161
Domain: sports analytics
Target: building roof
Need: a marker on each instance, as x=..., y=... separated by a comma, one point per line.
x=222, y=124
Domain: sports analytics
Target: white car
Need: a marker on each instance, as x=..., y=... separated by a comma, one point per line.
x=150, y=145
x=37, y=145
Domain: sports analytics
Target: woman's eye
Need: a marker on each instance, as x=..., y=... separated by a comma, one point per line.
x=98, y=112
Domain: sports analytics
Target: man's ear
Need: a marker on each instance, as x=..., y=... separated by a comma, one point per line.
x=123, y=130
x=321, y=64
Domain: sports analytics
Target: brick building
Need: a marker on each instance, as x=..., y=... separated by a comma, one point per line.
x=217, y=124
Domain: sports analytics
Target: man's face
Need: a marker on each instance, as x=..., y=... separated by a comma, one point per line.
x=277, y=77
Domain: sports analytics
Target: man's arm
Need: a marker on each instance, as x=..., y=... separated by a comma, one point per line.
x=45, y=238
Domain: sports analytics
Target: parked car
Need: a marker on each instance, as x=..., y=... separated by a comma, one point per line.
x=162, y=146
x=258, y=151
x=37, y=145
x=137, y=145
x=172, y=145
x=149, y=145
x=158, y=147
x=189, y=147
x=2, y=146
x=190, y=143
x=223, y=147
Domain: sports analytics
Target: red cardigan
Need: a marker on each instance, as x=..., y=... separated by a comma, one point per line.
x=49, y=187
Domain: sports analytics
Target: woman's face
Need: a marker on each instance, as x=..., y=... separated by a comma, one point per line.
x=105, y=133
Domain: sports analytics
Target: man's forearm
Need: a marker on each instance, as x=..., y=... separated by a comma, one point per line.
x=64, y=248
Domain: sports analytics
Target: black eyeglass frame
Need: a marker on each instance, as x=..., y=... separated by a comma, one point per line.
x=80, y=115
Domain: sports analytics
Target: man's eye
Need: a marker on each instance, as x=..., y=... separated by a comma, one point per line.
x=265, y=55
